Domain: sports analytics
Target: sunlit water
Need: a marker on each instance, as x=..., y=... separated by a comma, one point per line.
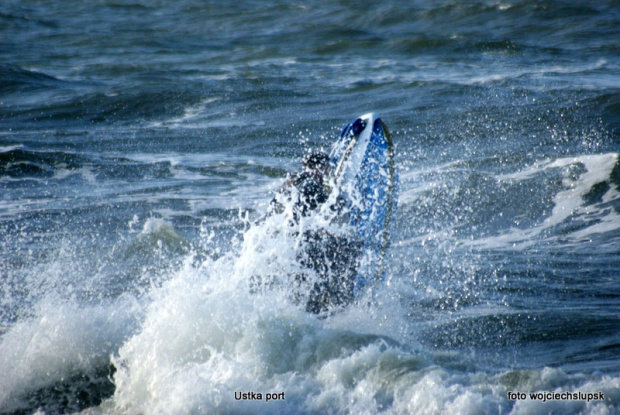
x=141, y=143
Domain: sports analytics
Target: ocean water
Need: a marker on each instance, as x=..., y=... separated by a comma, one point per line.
x=141, y=142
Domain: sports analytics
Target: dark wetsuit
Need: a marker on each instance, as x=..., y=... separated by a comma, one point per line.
x=312, y=192
x=333, y=258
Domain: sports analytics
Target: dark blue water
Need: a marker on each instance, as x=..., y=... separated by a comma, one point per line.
x=139, y=142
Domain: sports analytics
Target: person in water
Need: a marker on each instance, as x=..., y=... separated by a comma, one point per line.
x=332, y=257
x=311, y=184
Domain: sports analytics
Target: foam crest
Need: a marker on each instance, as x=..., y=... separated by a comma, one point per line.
x=7, y=149
x=582, y=208
x=235, y=324
x=204, y=343
x=200, y=336
x=58, y=341
x=598, y=170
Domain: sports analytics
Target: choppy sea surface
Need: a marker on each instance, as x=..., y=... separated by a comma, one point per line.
x=140, y=141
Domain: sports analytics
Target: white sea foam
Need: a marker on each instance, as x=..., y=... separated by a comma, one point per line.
x=590, y=72
x=206, y=336
x=6, y=149
x=191, y=113
x=537, y=72
x=203, y=335
x=204, y=339
x=62, y=172
x=61, y=339
x=569, y=203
